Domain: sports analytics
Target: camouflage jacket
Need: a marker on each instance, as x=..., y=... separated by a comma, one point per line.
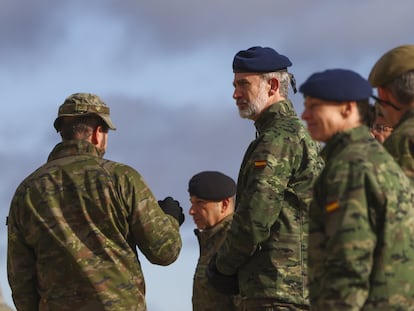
x=361, y=229
x=400, y=144
x=266, y=245
x=205, y=297
x=73, y=228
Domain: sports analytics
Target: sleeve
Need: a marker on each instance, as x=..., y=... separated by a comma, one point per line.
x=21, y=262
x=155, y=233
x=263, y=179
x=346, y=241
x=401, y=147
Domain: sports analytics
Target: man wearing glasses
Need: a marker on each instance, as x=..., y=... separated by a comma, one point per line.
x=393, y=76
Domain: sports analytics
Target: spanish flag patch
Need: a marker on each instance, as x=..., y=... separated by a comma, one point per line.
x=260, y=163
x=332, y=207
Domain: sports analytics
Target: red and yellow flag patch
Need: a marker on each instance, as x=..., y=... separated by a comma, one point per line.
x=332, y=207
x=260, y=163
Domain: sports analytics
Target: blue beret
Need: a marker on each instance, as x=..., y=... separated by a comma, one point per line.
x=260, y=59
x=337, y=85
x=212, y=186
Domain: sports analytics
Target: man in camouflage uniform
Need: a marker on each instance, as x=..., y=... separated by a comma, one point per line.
x=264, y=254
x=212, y=197
x=393, y=76
x=74, y=224
x=361, y=227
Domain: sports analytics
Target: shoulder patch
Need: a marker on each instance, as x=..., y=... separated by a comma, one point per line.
x=332, y=207
x=260, y=163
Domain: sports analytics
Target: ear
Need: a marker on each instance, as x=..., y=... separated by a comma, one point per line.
x=274, y=86
x=225, y=205
x=97, y=135
x=348, y=108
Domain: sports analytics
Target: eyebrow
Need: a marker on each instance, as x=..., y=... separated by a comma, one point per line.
x=242, y=81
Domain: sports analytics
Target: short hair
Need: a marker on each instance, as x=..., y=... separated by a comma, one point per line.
x=402, y=88
x=366, y=112
x=80, y=127
x=283, y=78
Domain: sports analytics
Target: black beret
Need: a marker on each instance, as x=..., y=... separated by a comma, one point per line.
x=212, y=186
x=337, y=85
x=260, y=59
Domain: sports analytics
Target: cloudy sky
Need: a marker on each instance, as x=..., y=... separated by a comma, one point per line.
x=164, y=68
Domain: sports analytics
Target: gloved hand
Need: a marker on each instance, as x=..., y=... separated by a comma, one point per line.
x=172, y=207
x=225, y=284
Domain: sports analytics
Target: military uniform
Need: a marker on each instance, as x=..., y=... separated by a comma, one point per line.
x=266, y=246
x=400, y=144
x=205, y=297
x=361, y=231
x=73, y=228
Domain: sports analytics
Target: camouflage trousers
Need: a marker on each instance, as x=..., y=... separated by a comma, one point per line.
x=270, y=305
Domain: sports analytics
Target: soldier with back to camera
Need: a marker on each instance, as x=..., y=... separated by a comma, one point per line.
x=74, y=223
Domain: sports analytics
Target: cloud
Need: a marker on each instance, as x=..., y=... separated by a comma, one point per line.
x=167, y=145
x=164, y=67
x=315, y=29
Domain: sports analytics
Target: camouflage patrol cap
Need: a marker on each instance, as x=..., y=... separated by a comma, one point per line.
x=391, y=65
x=82, y=104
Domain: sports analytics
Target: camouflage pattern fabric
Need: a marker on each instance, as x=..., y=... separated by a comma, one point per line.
x=267, y=243
x=361, y=230
x=400, y=144
x=73, y=228
x=205, y=297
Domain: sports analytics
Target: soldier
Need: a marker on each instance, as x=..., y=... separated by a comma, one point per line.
x=361, y=233
x=264, y=253
x=212, y=197
x=74, y=224
x=393, y=76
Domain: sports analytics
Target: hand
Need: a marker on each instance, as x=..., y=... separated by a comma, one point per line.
x=225, y=284
x=172, y=207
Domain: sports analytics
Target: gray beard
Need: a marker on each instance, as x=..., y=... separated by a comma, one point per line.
x=256, y=106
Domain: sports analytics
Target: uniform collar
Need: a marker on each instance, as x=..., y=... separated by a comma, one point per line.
x=74, y=147
x=408, y=115
x=275, y=111
x=340, y=140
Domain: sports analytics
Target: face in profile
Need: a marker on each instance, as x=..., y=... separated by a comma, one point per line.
x=323, y=118
x=205, y=213
x=250, y=93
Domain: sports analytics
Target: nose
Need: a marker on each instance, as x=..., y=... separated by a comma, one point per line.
x=236, y=93
x=191, y=211
x=305, y=114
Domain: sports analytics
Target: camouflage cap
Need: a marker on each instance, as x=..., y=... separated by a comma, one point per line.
x=81, y=104
x=391, y=65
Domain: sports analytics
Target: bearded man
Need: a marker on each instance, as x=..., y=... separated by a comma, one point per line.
x=264, y=254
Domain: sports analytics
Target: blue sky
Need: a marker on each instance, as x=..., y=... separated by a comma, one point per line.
x=164, y=68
